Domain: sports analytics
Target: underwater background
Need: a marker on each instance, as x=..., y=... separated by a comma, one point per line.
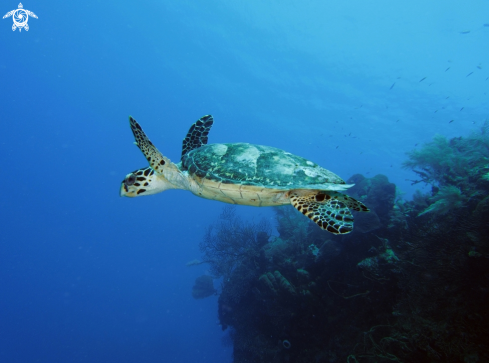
x=357, y=87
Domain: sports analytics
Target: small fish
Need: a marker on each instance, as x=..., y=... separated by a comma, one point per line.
x=447, y=69
x=436, y=111
x=447, y=97
x=349, y=134
x=465, y=32
x=336, y=147
x=486, y=24
x=416, y=144
x=468, y=74
x=479, y=67
x=397, y=120
x=450, y=121
x=422, y=79
x=461, y=109
x=393, y=85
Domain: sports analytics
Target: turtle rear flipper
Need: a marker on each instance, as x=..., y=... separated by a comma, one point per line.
x=197, y=134
x=350, y=202
x=328, y=209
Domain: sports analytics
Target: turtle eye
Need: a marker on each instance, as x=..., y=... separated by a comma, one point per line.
x=130, y=180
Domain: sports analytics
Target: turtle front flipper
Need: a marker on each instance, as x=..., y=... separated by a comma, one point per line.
x=154, y=157
x=10, y=13
x=160, y=175
x=328, y=209
x=197, y=134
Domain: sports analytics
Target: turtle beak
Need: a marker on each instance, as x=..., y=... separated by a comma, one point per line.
x=123, y=191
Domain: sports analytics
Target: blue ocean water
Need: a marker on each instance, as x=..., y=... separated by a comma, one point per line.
x=87, y=276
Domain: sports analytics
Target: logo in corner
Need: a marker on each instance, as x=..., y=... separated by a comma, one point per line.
x=20, y=16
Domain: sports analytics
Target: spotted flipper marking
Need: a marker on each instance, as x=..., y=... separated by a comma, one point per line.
x=350, y=202
x=197, y=135
x=155, y=158
x=329, y=210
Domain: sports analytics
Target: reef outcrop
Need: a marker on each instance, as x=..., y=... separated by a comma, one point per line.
x=409, y=284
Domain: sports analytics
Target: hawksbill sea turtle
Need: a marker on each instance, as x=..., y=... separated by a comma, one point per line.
x=20, y=17
x=245, y=174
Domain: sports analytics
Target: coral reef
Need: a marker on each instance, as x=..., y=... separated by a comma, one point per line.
x=410, y=284
x=276, y=283
x=457, y=169
x=234, y=250
x=445, y=200
x=379, y=194
x=231, y=243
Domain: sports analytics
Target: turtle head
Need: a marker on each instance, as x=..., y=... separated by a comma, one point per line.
x=144, y=182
